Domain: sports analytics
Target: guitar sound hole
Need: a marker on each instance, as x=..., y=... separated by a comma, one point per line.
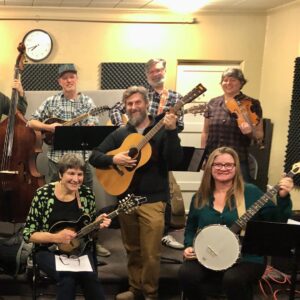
x=133, y=152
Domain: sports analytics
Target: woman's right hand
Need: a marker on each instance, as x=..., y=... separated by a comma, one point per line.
x=189, y=253
x=65, y=236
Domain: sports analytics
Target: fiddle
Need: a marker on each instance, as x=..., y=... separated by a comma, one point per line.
x=244, y=111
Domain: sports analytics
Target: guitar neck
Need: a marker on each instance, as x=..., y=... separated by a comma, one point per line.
x=256, y=206
x=179, y=104
x=95, y=225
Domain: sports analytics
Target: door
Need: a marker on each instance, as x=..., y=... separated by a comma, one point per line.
x=188, y=76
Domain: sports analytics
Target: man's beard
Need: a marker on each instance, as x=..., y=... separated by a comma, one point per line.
x=157, y=82
x=136, y=121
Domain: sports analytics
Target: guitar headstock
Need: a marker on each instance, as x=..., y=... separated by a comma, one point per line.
x=197, y=109
x=198, y=90
x=98, y=110
x=130, y=203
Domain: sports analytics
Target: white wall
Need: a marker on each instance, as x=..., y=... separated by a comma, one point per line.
x=282, y=46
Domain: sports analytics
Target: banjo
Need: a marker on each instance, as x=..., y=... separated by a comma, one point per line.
x=217, y=247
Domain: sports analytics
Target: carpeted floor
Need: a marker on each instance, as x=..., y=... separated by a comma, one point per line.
x=112, y=272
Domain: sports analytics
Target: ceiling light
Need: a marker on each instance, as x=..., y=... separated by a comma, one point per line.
x=184, y=6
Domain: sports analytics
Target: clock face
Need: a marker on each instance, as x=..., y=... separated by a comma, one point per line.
x=38, y=44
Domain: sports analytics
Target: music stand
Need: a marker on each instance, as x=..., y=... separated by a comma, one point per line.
x=80, y=137
x=193, y=159
x=274, y=239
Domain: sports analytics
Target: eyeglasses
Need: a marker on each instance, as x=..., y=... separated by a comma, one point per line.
x=67, y=260
x=227, y=166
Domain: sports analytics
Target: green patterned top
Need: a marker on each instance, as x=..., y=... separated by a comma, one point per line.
x=42, y=206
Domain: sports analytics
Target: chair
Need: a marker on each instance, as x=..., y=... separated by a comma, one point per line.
x=214, y=291
x=39, y=278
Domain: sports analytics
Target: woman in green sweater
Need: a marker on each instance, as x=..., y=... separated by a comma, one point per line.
x=222, y=190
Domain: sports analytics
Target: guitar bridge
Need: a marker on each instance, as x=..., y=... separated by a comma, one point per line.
x=119, y=171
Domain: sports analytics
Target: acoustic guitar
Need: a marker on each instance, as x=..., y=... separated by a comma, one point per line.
x=115, y=180
x=83, y=226
x=48, y=136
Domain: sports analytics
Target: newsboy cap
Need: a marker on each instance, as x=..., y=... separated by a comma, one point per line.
x=66, y=68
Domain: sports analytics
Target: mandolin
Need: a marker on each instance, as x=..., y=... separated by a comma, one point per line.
x=83, y=226
x=115, y=180
x=48, y=136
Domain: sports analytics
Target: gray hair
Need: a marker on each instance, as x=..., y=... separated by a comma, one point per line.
x=70, y=161
x=235, y=73
x=154, y=61
x=136, y=89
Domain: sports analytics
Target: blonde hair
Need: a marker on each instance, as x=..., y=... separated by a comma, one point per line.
x=207, y=185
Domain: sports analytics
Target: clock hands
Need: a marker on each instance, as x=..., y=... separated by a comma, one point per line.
x=33, y=47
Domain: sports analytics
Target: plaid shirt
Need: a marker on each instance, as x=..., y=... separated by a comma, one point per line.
x=223, y=128
x=58, y=106
x=116, y=112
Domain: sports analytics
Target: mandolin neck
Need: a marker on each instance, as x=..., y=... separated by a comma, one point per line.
x=76, y=120
x=94, y=225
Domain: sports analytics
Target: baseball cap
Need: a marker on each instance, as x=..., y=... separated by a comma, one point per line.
x=66, y=68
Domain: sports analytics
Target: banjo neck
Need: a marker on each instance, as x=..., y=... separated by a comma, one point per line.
x=241, y=223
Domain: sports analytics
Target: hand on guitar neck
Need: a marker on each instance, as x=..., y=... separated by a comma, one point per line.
x=136, y=150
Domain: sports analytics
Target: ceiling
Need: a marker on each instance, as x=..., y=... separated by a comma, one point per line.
x=214, y=5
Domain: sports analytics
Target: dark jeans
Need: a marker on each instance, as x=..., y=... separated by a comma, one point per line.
x=53, y=173
x=235, y=282
x=67, y=281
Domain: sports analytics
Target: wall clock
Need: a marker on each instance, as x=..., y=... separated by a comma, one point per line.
x=38, y=44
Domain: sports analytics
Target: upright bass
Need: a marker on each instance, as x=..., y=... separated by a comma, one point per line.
x=19, y=147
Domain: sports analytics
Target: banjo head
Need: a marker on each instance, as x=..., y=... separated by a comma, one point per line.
x=217, y=247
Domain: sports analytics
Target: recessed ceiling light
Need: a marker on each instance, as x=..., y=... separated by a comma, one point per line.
x=184, y=6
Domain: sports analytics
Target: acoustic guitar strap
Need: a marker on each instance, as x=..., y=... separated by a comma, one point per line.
x=241, y=208
x=163, y=99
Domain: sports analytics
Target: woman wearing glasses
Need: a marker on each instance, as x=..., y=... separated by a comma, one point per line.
x=64, y=200
x=222, y=190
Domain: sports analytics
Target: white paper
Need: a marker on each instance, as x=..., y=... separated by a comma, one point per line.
x=79, y=264
x=291, y=221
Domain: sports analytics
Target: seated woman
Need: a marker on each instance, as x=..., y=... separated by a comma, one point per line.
x=221, y=191
x=64, y=200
